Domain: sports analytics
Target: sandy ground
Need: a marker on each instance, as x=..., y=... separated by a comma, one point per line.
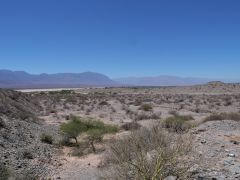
x=76, y=168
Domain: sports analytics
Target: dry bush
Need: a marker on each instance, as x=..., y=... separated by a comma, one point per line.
x=81, y=150
x=137, y=102
x=146, y=116
x=173, y=112
x=223, y=116
x=146, y=107
x=131, y=126
x=47, y=138
x=149, y=154
x=103, y=103
x=27, y=154
x=178, y=123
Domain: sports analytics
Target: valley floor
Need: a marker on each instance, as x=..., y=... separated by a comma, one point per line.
x=216, y=143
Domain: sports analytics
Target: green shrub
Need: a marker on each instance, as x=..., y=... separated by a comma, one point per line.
x=46, y=138
x=95, y=124
x=178, y=123
x=96, y=130
x=62, y=92
x=66, y=92
x=93, y=128
x=73, y=129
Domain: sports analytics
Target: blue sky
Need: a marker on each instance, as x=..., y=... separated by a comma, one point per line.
x=197, y=38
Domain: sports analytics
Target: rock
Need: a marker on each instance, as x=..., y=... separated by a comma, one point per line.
x=231, y=155
x=235, y=142
x=200, y=177
x=2, y=123
x=194, y=168
x=151, y=155
x=201, y=130
x=171, y=178
x=228, y=163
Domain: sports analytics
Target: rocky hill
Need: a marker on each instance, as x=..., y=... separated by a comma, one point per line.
x=21, y=149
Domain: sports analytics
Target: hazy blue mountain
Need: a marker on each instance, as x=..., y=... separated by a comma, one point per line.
x=20, y=79
x=161, y=81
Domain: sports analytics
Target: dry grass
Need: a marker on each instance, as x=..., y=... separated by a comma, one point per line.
x=131, y=126
x=149, y=154
x=146, y=107
x=223, y=116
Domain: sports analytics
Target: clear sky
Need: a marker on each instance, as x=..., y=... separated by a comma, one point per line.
x=197, y=38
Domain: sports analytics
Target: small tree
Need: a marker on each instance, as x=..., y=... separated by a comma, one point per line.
x=73, y=129
x=96, y=131
x=94, y=135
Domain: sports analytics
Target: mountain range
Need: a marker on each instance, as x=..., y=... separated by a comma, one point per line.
x=162, y=81
x=21, y=79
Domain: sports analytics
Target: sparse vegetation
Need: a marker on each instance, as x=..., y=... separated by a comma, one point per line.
x=62, y=92
x=223, y=116
x=47, y=138
x=131, y=126
x=146, y=107
x=5, y=174
x=95, y=131
x=103, y=103
x=178, y=123
x=93, y=128
x=134, y=109
x=28, y=154
x=73, y=129
x=149, y=154
x=173, y=112
x=147, y=116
